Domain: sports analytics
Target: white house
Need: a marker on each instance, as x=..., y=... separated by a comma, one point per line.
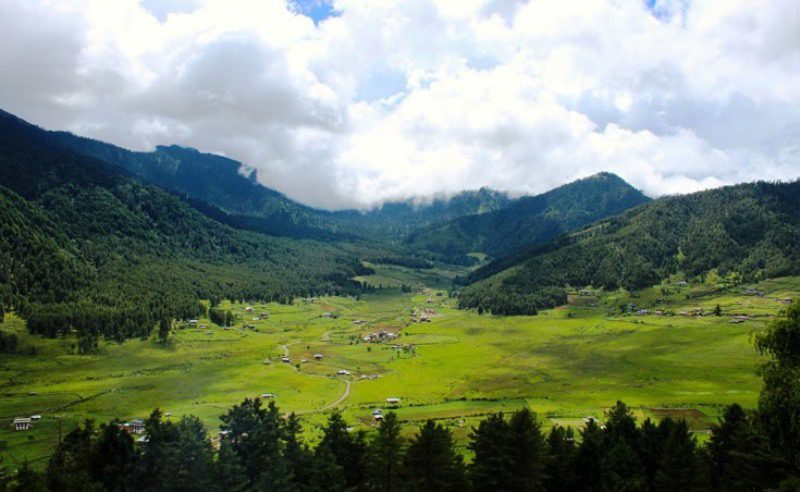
x=22, y=424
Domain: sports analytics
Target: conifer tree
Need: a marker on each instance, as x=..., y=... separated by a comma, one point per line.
x=559, y=471
x=490, y=469
x=526, y=447
x=431, y=462
x=386, y=455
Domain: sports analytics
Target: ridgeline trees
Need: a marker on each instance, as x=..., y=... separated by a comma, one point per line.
x=750, y=230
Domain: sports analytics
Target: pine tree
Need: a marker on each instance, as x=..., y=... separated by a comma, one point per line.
x=349, y=450
x=560, y=471
x=386, y=455
x=431, y=462
x=68, y=468
x=491, y=468
x=591, y=472
x=622, y=449
x=113, y=457
x=299, y=457
x=526, y=447
x=164, y=326
x=189, y=460
x=678, y=468
x=739, y=458
x=229, y=474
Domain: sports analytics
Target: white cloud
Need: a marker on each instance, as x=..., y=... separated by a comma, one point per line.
x=392, y=99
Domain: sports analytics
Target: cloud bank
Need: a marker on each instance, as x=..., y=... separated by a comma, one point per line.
x=355, y=102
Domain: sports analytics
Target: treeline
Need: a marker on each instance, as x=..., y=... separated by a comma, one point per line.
x=530, y=220
x=511, y=303
x=85, y=247
x=259, y=449
x=406, y=261
x=750, y=230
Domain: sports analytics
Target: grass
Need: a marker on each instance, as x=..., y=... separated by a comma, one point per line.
x=565, y=363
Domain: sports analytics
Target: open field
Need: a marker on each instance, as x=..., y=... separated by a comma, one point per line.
x=565, y=363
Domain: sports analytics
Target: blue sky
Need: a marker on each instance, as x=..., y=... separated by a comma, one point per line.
x=318, y=10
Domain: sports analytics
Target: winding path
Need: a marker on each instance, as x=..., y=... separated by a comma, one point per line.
x=342, y=398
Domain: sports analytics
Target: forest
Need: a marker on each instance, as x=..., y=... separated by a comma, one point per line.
x=86, y=247
x=746, y=232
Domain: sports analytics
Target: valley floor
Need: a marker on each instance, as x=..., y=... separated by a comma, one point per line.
x=565, y=364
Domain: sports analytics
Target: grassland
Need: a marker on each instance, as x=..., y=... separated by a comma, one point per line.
x=565, y=363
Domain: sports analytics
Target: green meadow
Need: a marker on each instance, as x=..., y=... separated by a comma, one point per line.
x=566, y=364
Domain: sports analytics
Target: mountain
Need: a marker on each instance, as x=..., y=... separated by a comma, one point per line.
x=84, y=239
x=242, y=201
x=531, y=220
x=747, y=231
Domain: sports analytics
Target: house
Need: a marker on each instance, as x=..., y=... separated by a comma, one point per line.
x=753, y=292
x=585, y=292
x=359, y=322
x=192, y=321
x=248, y=309
x=378, y=417
x=208, y=333
x=393, y=400
x=327, y=315
x=268, y=396
x=286, y=360
x=135, y=426
x=377, y=411
x=642, y=312
x=343, y=372
x=318, y=356
x=22, y=424
x=36, y=417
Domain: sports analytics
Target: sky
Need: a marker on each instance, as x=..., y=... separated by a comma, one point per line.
x=351, y=103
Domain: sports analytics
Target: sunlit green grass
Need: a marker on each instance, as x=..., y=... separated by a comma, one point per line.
x=565, y=364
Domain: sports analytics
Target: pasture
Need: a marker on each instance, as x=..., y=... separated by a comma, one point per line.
x=565, y=364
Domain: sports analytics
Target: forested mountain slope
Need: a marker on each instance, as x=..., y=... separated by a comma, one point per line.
x=531, y=220
x=79, y=234
x=749, y=230
x=216, y=180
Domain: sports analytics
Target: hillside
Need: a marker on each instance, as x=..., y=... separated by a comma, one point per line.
x=746, y=231
x=218, y=182
x=83, y=239
x=531, y=220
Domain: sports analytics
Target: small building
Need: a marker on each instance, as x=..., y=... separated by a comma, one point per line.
x=268, y=396
x=192, y=321
x=377, y=411
x=36, y=417
x=249, y=309
x=318, y=356
x=343, y=372
x=378, y=417
x=393, y=400
x=286, y=360
x=327, y=315
x=22, y=424
x=136, y=426
x=585, y=292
